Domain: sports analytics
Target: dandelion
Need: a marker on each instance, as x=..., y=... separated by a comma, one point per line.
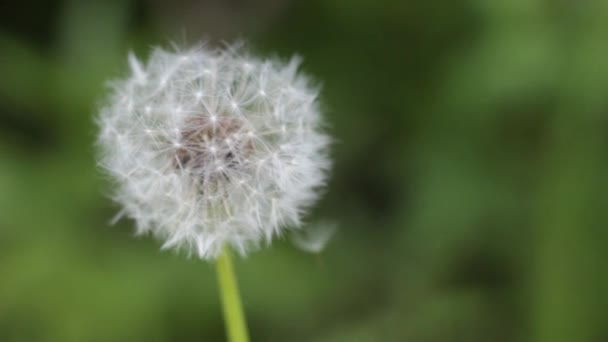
x=213, y=148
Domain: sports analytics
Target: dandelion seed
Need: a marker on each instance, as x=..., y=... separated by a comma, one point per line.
x=313, y=239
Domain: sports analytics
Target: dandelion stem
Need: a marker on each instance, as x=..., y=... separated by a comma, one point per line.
x=234, y=319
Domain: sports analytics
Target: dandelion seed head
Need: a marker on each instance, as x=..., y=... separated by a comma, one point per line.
x=200, y=172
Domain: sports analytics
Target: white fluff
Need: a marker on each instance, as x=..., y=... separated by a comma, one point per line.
x=315, y=237
x=210, y=147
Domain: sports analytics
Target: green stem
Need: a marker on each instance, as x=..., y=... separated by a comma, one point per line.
x=234, y=319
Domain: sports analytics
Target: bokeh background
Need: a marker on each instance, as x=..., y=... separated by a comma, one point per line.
x=470, y=183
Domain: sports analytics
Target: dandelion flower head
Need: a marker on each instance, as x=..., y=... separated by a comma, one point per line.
x=213, y=147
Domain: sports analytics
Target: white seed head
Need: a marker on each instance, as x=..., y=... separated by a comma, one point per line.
x=212, y=147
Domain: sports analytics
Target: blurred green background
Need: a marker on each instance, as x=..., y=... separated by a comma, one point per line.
x=470, y=182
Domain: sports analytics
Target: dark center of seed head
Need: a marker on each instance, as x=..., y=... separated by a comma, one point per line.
x=210, y=145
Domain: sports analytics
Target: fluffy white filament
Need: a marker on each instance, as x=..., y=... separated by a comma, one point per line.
x=210, y=147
